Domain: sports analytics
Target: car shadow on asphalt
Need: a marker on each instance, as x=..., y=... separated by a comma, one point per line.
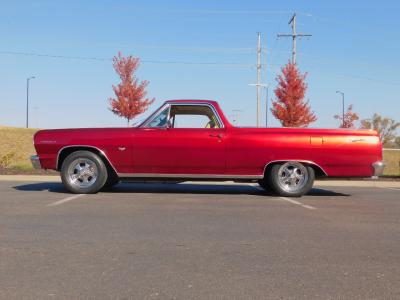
x=53, y=187
x=174, y=188
x=323, y=192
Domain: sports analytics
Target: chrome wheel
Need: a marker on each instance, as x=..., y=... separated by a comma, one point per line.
x=82, y=172
x=292, y=177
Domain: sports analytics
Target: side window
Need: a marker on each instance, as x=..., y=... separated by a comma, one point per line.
x=190, y=121
x=160, y=120
x=193, y=116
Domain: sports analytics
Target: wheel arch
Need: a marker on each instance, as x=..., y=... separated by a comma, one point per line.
x=319, y=171
x=67, y=150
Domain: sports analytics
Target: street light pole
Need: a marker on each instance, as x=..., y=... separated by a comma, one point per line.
x=27, y=100
x=339, y=92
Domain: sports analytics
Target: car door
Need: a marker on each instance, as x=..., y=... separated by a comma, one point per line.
x=179, y=150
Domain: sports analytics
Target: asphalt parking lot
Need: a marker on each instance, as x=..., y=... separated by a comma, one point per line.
x=198, y=241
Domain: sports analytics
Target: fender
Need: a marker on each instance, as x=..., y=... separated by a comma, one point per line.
x=309, y=162
x=102, y=153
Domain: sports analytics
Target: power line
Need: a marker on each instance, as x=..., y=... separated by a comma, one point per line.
x=226, y=12
x=54, y=56
x=227, y=64
x=110, y=59
x=193, y=48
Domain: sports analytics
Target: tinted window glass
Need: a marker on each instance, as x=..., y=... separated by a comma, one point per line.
x=160, y=120
x=193, y=116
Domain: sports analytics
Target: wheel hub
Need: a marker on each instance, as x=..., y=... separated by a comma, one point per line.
x=292, y=176
x=82, y=172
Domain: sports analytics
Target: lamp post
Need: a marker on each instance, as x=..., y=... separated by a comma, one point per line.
x=339, y=92
x=27, y=100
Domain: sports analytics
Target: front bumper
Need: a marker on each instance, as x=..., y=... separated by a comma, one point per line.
x=378, y=168
x=35, y=162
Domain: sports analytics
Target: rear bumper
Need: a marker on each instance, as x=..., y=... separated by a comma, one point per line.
x=378, y=168
x=35, y=162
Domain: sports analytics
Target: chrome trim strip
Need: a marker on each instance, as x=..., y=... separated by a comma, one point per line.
x=35, y=162
x=201, y=176
x=86, y=146
x=155, y=114
x=302, y=161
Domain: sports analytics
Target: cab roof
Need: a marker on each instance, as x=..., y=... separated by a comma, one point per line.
x=191, y=101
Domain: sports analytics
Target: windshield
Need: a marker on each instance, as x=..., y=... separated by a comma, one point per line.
x=160, y=120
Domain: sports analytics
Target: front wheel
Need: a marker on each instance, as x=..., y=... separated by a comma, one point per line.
x=291, y=179
x=264, y=184
x=83, y=172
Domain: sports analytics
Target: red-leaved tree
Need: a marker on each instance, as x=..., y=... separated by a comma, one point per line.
x=130, y=95
x=349, y=118
x=290, y=108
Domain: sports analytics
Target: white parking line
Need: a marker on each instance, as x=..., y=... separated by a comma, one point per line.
x=65, y=200
x=298, y=203
x=288, y=199
x=390, y=188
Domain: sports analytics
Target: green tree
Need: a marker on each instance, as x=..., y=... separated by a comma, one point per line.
x=397, y=142
x=386, y=127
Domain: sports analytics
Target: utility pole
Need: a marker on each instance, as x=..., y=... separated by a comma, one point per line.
x=266, y=105
x=27, y=100
x=258, y=78
x=294, y=36
x=258, y=85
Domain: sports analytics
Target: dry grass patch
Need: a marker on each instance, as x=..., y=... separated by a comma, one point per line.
x=392, y=160
x=16, y=147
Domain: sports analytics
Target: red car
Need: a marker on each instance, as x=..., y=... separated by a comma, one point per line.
x=193, y=140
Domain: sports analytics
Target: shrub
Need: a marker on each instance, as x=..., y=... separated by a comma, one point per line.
x=6, y=159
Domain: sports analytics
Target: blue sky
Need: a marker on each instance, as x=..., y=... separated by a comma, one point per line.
x=354, y=48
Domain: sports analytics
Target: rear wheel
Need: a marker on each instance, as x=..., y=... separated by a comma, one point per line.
x=291, y=179
x=83, y=172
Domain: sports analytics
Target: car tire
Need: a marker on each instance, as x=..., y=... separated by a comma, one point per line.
x=83, y=172
x=264, y=184
x=291, y=179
